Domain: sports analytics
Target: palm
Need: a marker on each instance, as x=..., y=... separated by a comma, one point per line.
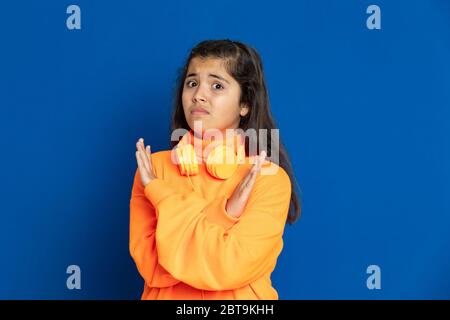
x=236, y=204
x=144, y=160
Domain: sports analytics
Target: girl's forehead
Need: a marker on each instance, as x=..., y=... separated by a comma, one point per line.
x=199, y=64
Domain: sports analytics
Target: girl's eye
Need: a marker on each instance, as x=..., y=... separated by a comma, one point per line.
x=190, y=83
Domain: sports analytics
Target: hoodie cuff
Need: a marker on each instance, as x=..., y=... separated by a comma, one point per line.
x=157, y=190
x=217, y=213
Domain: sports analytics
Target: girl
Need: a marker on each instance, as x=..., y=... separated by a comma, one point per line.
x=201, y=228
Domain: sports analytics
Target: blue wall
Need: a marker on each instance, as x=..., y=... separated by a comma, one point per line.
x=364, y=115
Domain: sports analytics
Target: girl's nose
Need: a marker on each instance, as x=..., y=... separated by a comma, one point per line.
x=198, y=99
x=199, y=95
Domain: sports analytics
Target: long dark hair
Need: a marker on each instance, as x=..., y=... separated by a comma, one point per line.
x=244, y=64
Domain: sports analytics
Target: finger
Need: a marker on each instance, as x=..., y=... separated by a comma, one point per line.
x=245, y=192
x=143, y=159
x=148, y=152
x=251, y=172
x=139, y=159
x=262, y=157
x=139, y=143
x=251, y=177
x=257, y=168
x=259, y=160
x=247, y=183
x=247, y=178
x=256, y=165
x=143, y=154
x=139, y=162
x=142, y=170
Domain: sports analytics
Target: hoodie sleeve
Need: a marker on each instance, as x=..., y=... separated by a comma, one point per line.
x=142, y=244
x=209, y=256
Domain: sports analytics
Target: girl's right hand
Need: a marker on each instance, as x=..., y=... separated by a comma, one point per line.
x=236, y=204
x=144, y=161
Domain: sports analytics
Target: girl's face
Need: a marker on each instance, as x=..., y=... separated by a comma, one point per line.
x=208, y=86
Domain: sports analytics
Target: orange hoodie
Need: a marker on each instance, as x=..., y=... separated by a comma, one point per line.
x=186, y=246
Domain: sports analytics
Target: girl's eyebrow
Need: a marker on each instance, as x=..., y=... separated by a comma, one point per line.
x=209, y=75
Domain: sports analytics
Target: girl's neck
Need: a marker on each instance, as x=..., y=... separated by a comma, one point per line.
x=200, y=142
x=214, y=135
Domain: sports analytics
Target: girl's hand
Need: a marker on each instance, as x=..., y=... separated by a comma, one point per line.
x=236, y=204
x=144, y=161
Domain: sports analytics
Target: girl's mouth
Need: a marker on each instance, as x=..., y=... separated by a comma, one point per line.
x=199, y=110
x=195, y=112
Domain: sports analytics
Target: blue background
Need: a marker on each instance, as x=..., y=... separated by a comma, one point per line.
x=363, y=113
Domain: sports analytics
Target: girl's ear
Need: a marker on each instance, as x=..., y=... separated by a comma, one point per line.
x=244, y=110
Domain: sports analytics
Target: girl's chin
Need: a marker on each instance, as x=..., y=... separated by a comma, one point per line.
x=203, y=126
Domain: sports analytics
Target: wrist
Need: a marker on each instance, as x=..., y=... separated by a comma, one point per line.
x=148, y=182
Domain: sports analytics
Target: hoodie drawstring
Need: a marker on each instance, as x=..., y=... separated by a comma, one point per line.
x=193, y=187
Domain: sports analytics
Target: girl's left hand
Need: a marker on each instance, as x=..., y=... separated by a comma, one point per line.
x=235, y=205
x=144, y=161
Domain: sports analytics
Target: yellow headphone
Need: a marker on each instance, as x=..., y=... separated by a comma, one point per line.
x=221, y=162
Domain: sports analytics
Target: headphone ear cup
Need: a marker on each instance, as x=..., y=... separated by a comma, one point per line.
x=180, y=160
x=187, y=160
x=193, y=163
x=221, y=162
